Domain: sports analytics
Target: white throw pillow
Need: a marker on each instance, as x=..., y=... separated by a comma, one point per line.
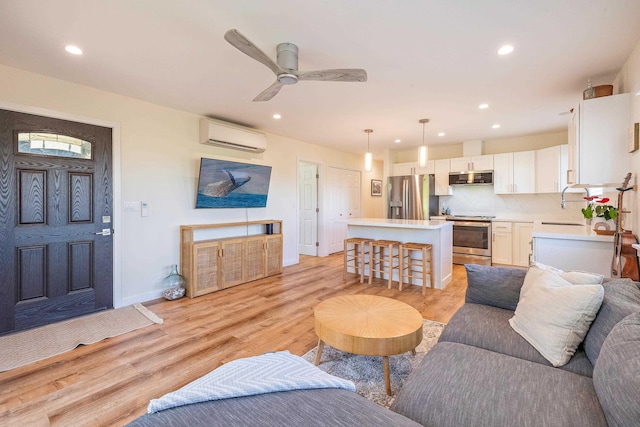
x=554, y=315
x=575, y=277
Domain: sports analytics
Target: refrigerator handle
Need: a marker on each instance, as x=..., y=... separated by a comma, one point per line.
x=404, y=198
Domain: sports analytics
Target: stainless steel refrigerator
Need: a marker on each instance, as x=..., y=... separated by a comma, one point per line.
x=412, y=197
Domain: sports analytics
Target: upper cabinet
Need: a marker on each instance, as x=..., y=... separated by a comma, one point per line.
x=551, y=169
x=514, y=173
x=475, y=163
x=598, y=132
x=412, y=168
x=442, y=177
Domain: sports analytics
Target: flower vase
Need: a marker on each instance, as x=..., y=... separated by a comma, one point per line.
x=173, y=285
x=587, y=225
x=603, y=225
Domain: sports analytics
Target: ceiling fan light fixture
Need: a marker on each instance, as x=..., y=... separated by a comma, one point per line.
x=368, y=156
x=287, y=79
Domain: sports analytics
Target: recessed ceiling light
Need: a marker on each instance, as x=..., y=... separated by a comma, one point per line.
x=73, y=49
x=441, y=134
x=398, y=141
x=505, y=50
x=483, y=106
x=277, y=116
x=496, y=126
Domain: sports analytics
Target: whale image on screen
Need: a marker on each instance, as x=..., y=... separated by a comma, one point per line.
x=226, y=184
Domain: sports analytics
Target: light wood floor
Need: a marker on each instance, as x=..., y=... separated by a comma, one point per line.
x=110, y=383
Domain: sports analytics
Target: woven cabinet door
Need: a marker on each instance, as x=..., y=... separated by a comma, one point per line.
x=254, y=260
x=273, y=255
x=205, y=274
x=231, y=262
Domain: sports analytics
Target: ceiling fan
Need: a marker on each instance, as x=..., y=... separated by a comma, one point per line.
x=286, y=67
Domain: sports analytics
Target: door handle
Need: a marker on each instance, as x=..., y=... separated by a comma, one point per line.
x=104, y=232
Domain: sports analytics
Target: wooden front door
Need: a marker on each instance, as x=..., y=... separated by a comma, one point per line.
x=55, y=196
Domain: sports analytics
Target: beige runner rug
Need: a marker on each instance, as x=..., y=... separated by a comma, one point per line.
x=40, y=343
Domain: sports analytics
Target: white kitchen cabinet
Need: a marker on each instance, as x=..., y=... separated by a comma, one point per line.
x=551, y=169
x=461, y=164
x=598, y=134
x=522, y=243
x=501, y=243
x=412, y=168
x=514, y=173
x=441, y=169
x=591, y=255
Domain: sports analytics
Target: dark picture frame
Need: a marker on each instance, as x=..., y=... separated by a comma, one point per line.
x=376, y=187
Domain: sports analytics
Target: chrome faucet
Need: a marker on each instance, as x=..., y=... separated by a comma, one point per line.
x=563, y=202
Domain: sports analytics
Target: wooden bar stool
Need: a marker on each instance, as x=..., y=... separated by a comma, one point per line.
x=354, y=252
x=384, y=256
x=413, y=268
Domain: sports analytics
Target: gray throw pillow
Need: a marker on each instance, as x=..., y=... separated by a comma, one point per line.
x=495, y=286
x=621, y=298
x=616, y=376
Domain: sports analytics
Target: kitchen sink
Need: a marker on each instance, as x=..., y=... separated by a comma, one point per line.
x=561, y=223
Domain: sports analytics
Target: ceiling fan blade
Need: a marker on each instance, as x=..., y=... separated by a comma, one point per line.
x=269, y=92
x=245, y=46
x=336, y=75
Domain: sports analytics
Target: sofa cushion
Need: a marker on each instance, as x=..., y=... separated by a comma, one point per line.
x=616, y=376
x=554, y=315
x=488, y=327
x=320, y=407
x=461, y=385
x=496, y=286
x=621, y=298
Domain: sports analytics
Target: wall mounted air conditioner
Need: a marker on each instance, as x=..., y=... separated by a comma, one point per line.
x=227, y=135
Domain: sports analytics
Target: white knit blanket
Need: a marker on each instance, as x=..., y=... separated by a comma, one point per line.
x=270, y=372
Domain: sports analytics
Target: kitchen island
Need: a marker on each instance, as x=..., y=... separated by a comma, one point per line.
x=436, y=232
x=572, y=246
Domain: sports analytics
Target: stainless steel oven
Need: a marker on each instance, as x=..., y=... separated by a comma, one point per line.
x=471, y=239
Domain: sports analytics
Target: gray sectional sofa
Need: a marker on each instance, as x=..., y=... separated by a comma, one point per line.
x=481, y=373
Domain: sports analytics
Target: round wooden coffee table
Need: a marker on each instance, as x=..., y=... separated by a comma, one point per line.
x=368, y=325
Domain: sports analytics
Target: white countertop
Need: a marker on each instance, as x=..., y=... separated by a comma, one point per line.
x=400, y=223
x=568, y=232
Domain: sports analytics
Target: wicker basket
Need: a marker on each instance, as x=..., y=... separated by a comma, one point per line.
x=603, y=90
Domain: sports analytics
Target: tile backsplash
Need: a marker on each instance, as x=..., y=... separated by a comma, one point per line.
x=481, y=200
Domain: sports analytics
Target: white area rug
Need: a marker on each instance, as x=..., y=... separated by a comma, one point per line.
x=366, y=371
x=40, y=343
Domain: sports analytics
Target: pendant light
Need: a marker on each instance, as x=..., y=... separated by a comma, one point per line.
x=368, y=157
x=422, y=151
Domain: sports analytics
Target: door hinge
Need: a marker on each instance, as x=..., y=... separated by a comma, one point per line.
x=317, y=244
x=317, y=176
x=317, y=210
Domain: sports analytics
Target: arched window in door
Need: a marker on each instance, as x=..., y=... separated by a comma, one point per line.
x=52, y=144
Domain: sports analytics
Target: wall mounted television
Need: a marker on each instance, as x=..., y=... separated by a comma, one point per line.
x=226, y=184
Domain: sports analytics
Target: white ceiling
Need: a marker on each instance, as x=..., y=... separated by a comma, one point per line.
x=431, y=59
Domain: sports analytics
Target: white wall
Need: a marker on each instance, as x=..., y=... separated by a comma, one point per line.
x=628, y=81
x=158, y=163
x=489, y=146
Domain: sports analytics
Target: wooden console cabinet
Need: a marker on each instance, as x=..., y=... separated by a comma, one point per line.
x=245, y=253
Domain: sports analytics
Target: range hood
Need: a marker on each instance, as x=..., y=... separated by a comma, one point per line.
x=471, y=178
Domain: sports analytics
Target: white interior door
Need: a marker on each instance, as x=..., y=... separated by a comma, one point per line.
x=308, y=201
x=343, y=190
